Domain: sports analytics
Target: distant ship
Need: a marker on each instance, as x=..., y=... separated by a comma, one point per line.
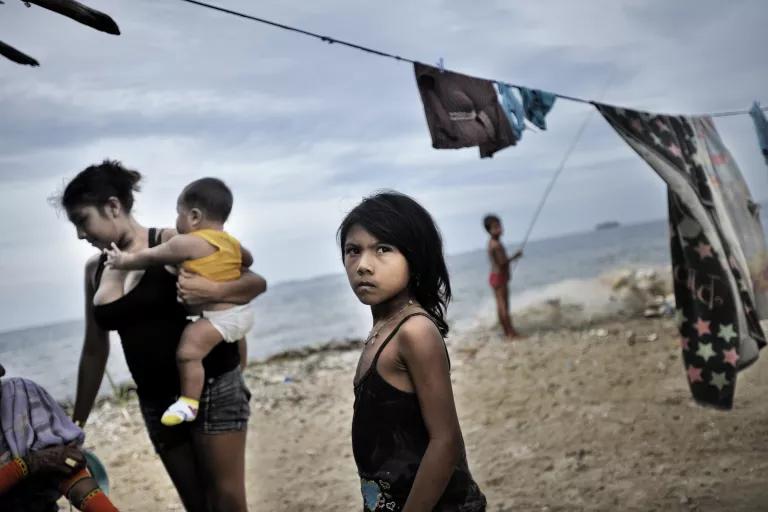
x=607, y=225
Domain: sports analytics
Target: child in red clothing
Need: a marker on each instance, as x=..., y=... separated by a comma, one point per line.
x=499, y=277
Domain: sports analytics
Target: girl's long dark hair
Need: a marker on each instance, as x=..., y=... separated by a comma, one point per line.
x=394, y=218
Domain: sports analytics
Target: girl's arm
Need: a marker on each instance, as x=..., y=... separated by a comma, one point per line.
x=93, y=358
x=423, y=351
x=194, y=290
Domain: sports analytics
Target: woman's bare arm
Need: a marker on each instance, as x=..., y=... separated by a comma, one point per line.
x=193, y=289
x=242, y=349
x=93, y=358
x=247, y=257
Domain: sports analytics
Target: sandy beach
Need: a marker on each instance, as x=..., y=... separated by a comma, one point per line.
x=300, y=174
x=592, y=418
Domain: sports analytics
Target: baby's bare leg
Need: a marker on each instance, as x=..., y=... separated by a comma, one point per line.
x=197, y=341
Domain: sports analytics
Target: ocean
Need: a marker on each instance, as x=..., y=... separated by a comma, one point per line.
x=308, y=312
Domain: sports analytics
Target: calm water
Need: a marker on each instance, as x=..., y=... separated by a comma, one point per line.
x=295, y=314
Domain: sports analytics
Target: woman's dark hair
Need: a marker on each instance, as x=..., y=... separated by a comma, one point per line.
x=394, y=218
x=97, y=183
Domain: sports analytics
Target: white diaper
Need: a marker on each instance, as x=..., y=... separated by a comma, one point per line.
x=232, y=323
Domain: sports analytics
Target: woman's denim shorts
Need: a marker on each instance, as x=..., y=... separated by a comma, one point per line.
x=223, y=408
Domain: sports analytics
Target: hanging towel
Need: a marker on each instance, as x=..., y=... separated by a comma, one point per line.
x=513, y=109
x=537, y=105
x=761, y=126
x=719, y=256
x=462, y=111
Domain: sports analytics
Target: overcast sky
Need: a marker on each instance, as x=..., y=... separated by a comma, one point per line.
x=301, y=130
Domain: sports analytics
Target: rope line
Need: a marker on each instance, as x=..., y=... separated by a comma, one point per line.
x=380, y=53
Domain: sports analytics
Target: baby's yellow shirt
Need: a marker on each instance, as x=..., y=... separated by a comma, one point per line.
x=222, y=265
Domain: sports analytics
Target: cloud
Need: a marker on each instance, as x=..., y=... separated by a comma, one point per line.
x=302, y=130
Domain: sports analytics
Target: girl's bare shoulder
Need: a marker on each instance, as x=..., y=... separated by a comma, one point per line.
x=419, y=334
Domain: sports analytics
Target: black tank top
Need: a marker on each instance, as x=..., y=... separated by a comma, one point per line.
x=389, y=439
x=150, y=321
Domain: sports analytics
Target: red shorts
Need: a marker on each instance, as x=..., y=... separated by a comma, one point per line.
x=497, y=280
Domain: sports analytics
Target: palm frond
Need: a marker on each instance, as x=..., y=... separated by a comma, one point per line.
x=80, y=13
x=15, y=55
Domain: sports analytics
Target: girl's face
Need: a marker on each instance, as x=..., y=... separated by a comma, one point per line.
x=377, y=271
x=94, y=225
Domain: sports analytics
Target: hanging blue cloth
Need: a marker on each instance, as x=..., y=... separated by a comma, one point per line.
x=761, y=126
x=537, y=105
x=512, y=108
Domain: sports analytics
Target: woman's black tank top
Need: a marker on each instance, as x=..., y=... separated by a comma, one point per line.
x=150, y=321
x=389, y=439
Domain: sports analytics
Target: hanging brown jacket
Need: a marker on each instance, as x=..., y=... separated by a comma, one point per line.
x=462, y=111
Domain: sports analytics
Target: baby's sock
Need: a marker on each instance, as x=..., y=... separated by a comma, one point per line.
x=183, y=409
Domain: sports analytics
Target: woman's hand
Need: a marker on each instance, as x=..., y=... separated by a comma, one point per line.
x=194, y=290
x=63, y=460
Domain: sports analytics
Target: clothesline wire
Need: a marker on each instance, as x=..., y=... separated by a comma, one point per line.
x=327, y=39
x=380, y=53
x=734, y=113
x=557, y=173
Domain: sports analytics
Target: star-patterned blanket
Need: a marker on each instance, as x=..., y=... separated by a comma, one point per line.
x=719, y=256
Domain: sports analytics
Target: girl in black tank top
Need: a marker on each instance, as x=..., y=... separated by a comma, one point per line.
x=406, y=437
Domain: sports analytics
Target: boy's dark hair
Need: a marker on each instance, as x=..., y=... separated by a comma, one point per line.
x=396, y=219
x=94, y=185
x=490, y=219
x=211, y=196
